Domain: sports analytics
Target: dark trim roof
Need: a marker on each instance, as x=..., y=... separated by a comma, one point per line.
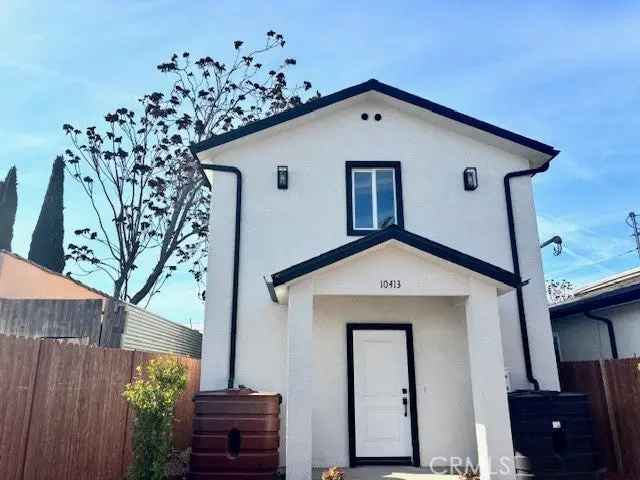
x=371, y=85
x=394, y=232
x=595, y=302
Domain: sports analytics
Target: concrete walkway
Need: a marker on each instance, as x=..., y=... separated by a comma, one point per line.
x=389, y=473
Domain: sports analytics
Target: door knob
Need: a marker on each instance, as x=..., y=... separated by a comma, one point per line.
x=404, y=402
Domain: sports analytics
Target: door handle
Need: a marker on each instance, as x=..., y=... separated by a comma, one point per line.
x=404, y=402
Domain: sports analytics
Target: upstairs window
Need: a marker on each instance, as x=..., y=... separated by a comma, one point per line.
x=374, y=196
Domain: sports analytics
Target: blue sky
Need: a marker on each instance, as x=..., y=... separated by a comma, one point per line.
x=567, y=74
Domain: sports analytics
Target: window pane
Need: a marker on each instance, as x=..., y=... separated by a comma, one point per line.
x=385, y=198
x=363, y=200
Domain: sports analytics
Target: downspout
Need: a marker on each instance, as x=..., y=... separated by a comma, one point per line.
x=612, y=333
x=236, y=264
x=516, y=268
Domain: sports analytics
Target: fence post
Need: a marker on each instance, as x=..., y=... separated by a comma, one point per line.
x=33, y=399
x=126, y=418
x=612, y=416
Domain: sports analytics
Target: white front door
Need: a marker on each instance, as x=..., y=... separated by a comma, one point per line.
x=381, y=394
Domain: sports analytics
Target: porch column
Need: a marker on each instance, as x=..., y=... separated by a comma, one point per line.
x=300, y=370
x=493, y=427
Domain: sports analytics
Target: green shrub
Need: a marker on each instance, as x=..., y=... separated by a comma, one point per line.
x=152, y=395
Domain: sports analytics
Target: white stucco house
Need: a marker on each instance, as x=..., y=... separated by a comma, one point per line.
x=374, y=257
x=601, y=321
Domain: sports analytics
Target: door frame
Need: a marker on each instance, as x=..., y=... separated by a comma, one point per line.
x=355, y=461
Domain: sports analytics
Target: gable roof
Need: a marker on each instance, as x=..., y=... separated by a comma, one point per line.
x=397, y=233
x=368, y=86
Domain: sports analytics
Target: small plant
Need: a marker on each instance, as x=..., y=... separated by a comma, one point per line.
x=470, y=475
x=178, y=464
x=334, y=473
x=152, y=396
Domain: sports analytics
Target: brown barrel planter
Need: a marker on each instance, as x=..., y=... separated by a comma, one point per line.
x=235, y=435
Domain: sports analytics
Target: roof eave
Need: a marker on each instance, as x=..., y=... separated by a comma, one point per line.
x=596, y=302
x=372, y=85
x=195, y=152
x=290, y=274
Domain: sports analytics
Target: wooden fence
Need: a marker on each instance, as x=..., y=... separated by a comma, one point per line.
x=614, y=389
x=30, y=317
x=62, y=414
x=82, y=321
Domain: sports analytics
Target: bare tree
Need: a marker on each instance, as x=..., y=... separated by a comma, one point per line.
x=143, y=187
x=558, y=290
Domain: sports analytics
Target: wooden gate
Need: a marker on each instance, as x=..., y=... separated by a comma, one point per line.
x=614, y=389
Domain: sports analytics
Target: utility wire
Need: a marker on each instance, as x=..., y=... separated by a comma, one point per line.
x=590, y=264
x=632, y=221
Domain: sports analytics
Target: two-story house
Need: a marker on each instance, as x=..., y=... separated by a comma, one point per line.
x=374, y=258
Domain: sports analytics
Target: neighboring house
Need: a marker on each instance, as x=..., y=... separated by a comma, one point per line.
x=38, y=302
x=601, y=321
x=389, y=344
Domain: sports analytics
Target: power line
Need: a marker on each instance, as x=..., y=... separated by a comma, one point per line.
x=632, y=221
x=592, y=263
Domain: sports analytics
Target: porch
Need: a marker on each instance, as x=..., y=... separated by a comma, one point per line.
x=372, y=398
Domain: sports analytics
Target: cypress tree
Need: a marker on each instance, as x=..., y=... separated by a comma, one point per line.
x=48, y=237
x=8, y=206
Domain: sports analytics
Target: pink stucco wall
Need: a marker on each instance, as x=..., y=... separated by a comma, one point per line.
x=21, y=279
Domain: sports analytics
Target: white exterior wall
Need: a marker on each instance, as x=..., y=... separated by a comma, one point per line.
x=582, y=338
x=281, y=228
x=445, y=409
x=215, y=337
x=535, y=299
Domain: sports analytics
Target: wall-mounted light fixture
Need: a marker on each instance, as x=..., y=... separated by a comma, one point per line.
x=283, y=177
x=470, y=178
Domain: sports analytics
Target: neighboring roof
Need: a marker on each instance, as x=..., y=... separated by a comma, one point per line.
x=371, y=85
x=394, y=232
x=94, y=290
x=622, y=279
x=605, y=299
x=620, y=288
x=57, y=274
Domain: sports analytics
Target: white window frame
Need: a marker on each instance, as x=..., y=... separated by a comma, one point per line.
x=374, y=196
